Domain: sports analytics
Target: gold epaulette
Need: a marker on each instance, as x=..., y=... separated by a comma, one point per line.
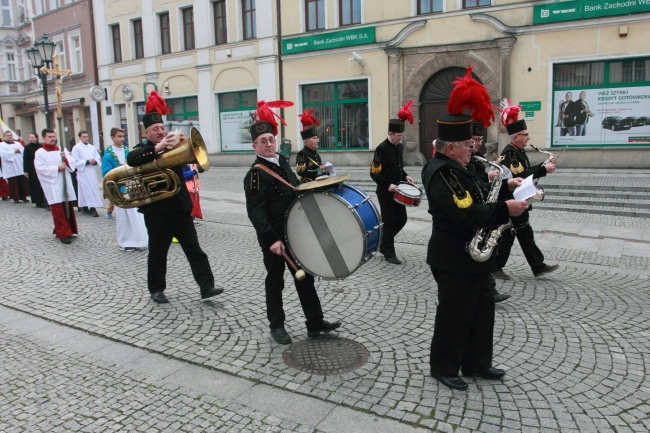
x=516, y=167
x=375, y=169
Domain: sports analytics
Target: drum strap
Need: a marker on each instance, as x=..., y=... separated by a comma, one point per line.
x=274, y=174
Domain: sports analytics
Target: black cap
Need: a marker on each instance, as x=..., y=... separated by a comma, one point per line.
x=151, y=118
x=516, y=127
x=454, y=127
x=308, y=133
x=395, y=125
x=478, y=129
x=259, y=128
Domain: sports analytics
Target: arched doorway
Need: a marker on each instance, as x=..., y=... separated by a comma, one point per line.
x=433, y=102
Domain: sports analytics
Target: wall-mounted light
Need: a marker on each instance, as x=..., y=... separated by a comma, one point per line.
x=166, y=88
x=622, y=31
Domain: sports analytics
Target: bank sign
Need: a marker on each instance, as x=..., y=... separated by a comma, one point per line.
x=585, y=9
x=326, y=41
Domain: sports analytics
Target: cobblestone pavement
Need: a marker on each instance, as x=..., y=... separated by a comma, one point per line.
x=576, y=343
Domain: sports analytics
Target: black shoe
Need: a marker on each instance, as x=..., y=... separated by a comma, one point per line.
x=280, y=335
x=501, y=275
x=93, y=212
x=159, y=297
x=546, y=269
x=394, y=260
x=67, y=240
x=205, y=294
x=325, y=326
x=5, y=198
x=489, y=373
x=453, y=382
x=500, y=297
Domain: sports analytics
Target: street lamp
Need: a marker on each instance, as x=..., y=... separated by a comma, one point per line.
x=40, y=55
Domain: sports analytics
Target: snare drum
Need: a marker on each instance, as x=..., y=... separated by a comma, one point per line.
x=332, y=233
x=408, y=194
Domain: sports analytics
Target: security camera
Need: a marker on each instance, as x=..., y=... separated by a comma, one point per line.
x=357, y=58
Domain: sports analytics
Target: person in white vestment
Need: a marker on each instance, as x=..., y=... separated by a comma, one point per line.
x=11, y=154
x=131, y=230
x=88, y=163
x=52, y=164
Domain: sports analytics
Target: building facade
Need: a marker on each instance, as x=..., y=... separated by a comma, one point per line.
x=355, y=62
x=69, y=24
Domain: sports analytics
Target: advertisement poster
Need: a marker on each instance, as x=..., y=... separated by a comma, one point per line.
x=234, y=131
x=617, y=116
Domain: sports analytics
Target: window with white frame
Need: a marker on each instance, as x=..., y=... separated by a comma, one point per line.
x=60, y=50
x=76, y=58
x=248, y=19
x=6, y=13
x=12, y=71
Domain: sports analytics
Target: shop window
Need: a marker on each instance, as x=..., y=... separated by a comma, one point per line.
x=579, y=74
x=342, y=109
x=236, y=110
x=629, y=71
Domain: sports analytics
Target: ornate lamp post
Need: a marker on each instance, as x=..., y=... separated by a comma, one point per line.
x=40, y=56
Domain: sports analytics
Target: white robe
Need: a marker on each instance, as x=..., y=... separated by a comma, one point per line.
x=131, y=231
x=87, y=175
x=47, y=166
x=12, y=162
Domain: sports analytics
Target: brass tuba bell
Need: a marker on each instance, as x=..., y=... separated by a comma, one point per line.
x=129, y=187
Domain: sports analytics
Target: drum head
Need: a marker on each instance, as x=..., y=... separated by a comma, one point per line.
x=323, y=182
x=325, y=236
x=409, y=190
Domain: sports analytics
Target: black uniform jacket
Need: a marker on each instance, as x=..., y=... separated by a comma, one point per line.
x=387, y=165
x=456, y=197
x=181, y=202
x=267, y=199
x=517, y=161
x=308, y=164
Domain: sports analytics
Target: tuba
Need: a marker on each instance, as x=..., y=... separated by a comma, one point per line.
x=129, y=187
x=481, y=247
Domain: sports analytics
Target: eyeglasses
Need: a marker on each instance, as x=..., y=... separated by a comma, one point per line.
x=265, y=141
x=524, y=135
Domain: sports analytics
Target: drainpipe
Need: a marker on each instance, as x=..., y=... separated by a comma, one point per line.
x=278, y=18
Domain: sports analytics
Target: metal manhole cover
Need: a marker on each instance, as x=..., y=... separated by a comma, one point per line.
x=326, y=356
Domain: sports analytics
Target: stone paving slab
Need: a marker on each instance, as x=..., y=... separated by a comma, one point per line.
x=575, y=342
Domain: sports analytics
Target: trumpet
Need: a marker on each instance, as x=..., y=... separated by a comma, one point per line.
x=128, y=187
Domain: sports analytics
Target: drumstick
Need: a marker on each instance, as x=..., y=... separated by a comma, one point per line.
x=300, y=274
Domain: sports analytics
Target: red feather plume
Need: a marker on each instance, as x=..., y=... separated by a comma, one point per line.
x=264, y=112
x=509, y=113
x=307, y=119
x=472, y=95
x=155, y=102
x=405, y=112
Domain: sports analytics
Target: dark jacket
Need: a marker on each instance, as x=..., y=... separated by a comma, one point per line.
x=179, y=203
x=29, y=153
x=267, y=199
x=517, y=161
x=456, y=203
x=308, y=164
x=387, y=165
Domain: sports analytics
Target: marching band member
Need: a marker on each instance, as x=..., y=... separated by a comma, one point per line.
x=308, y=162
x=169, y=217
x=464, y=322
x=387, y=170
x=269, y=187
x=515, y=158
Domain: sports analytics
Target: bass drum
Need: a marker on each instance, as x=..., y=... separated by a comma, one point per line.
x=332, y=233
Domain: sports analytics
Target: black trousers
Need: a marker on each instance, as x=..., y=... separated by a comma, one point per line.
x=462, y=336
x=161, y=229
x=35, y=190
x=394, y=217
x=274, y=284
x=524, y=233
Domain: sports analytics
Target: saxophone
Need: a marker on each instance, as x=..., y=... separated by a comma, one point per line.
x=482, y=245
